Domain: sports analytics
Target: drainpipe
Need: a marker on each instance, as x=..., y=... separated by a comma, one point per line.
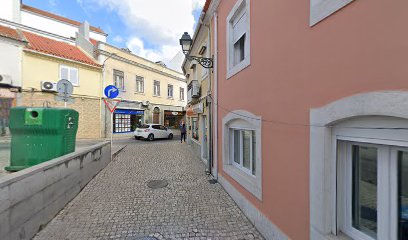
x=210, y=138
x=215, y=97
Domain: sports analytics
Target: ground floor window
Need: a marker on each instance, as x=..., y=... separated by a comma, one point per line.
x=374, y=195
x=242, y=146
x=126, y=120
x=242, y=150
x=194, y=128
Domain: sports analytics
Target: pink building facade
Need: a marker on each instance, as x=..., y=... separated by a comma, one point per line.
x=311, y=115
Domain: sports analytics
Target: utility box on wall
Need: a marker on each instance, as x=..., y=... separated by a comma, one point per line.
x=41, y=134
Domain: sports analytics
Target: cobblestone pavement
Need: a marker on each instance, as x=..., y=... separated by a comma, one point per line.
x=117, y=204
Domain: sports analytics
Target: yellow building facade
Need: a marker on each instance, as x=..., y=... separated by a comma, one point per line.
x=199, y=89
x=149, y=92
x=39, y=67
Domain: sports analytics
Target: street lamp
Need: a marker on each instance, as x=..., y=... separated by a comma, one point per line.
x=186, y=44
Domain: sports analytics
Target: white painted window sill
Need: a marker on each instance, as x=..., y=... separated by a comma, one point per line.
x=238, y=68
x=244, y=179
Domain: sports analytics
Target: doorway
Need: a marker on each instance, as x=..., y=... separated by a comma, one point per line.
x=156, y=115
x=204, y=150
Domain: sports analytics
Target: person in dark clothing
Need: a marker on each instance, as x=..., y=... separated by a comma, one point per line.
x=183, y=132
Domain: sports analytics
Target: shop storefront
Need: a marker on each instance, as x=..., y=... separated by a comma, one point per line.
x=127, y=120
x=172, y=119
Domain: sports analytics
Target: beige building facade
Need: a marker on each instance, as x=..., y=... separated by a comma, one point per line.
x=199, y=95
x=149, y=92
x=46, y=61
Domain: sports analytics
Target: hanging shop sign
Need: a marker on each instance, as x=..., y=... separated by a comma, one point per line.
x=198, y=108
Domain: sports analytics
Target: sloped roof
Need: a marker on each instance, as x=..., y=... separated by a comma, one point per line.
x=206, y=5
x=56, y=48
x=10, y=33
x=59, y=18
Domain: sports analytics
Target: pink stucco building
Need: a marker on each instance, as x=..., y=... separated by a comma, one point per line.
x=311, y=115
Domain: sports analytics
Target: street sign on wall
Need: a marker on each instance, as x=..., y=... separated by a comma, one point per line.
x=111, y=92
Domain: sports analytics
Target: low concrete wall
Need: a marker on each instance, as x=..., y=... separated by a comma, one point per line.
x=29, y=199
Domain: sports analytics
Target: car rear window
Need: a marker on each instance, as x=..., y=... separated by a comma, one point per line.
x=144, y=126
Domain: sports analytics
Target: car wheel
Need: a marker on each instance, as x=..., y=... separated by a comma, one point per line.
x=137, y=138
x=171, y=136
x=150, y=137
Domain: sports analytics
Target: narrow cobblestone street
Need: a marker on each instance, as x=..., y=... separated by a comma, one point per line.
x=118, y=204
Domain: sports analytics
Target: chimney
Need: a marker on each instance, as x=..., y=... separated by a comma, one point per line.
x=84, y=30
x=82, y=39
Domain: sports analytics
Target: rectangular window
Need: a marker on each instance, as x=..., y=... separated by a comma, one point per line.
x=119, y=79
x=373, y=192
x=204, y=53
x=70, y=74
x=139, y=84
x=402, y=195
x=182, y=94
x=170, y=91
x=243, y=145
x=194, y=125
x=239, y=50
x=195, y=72
x=156, y=88
x=238, y=37
x=364, y=190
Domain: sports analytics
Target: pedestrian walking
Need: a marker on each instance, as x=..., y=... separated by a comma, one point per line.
x=183, y=132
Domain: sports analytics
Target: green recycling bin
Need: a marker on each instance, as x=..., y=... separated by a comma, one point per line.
x=40, y=134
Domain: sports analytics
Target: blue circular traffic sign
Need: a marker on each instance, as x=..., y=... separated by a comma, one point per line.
x=111, y=91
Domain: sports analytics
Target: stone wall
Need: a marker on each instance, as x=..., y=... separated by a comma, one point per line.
x=29, y=199
x=90, y=119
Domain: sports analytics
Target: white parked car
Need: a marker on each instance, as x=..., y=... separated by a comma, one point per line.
x=152, y=131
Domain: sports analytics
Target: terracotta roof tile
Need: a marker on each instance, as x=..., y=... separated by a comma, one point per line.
x=93, y=41
x=59, y=18
x=10, y=33
x=206, y=5
x=57, y=48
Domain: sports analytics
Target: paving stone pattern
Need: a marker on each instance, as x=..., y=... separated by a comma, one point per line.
x=117, y=204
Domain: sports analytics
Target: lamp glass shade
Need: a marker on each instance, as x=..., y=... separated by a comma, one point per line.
x=186, y=42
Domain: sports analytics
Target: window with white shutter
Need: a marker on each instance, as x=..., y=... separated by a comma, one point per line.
x=70, y=74
x=238, y=38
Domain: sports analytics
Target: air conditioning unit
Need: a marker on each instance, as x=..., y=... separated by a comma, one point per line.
x=48, y=86
x=5, y=79
x=145, y=103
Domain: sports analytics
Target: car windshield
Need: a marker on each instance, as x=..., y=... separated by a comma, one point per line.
x=144, y=126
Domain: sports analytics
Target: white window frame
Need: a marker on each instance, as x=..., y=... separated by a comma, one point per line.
x=321, y=9
x=244, y=120
x=121, y=88
x=204, y=71
x=170, y=86
x=241, y=7
x=387, y=190
x=182, y=94
x=156, y=93
x=241, y=149
x=69, y=74
x=140, y=79
x=324, y=148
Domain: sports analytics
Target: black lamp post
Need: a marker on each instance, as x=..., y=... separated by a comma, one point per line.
x=186, y=43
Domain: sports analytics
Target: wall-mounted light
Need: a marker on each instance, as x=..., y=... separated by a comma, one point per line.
x=186, y=44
